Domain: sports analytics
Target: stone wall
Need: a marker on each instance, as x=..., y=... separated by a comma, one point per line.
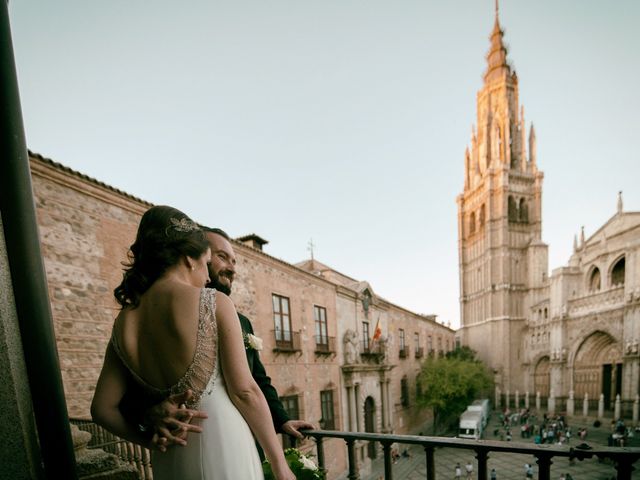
x=85, y=231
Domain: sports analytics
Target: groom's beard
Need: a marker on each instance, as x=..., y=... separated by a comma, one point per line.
x=218, y=285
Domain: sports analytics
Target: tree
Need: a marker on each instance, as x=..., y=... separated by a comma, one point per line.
x=450, y=383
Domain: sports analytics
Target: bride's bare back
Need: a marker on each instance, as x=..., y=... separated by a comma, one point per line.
x=158, y=338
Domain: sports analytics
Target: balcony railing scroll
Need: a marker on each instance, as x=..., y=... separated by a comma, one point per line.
x=403, y=352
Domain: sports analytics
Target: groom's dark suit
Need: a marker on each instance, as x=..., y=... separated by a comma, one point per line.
x=137, y=401
x=259, y=374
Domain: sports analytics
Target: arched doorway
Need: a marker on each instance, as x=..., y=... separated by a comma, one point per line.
x=597, y=369
x=370, y=424
x=542, y=378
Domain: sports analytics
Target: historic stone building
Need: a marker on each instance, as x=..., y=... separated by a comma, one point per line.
x=379, y=372
x=576, y=331
x=317, y=324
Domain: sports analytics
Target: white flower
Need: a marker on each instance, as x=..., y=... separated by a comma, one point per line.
x=254, y=342
x=308, y=463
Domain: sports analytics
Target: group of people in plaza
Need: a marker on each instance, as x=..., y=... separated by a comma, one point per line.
x=179, y=375
x=549, y=431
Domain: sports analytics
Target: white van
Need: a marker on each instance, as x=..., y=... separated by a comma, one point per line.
x=471, y=425
x=481, y=406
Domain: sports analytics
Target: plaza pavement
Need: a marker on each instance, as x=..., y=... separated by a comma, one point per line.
x=508, y=466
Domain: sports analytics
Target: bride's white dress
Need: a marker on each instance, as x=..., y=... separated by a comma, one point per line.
x=225, y=449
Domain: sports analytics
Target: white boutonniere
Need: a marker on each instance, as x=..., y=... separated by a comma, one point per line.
x=252, y=342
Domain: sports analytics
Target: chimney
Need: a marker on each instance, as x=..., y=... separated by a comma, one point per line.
x=252, y=240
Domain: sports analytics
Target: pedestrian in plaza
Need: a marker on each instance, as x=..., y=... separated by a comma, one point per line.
x=528, y=471
x=469, y=468
x=493, y=475
x=458, y=470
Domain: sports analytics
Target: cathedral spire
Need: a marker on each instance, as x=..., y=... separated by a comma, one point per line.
x=497, y=57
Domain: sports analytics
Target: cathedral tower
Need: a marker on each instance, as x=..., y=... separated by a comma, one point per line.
x=502, y=260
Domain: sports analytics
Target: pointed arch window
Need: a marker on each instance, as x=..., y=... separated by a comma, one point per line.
x=617, y=273
x=523, y=212
x=512, y=209
x=594, y=280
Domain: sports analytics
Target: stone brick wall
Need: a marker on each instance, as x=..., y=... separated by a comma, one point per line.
x=85, y=231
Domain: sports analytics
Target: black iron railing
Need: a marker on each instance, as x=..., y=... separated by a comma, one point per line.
x=622, y=458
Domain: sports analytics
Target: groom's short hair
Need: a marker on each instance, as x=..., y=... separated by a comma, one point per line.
x=217, y=231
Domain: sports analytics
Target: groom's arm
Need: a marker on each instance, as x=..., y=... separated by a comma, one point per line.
x=281, y=420
x=278, y=413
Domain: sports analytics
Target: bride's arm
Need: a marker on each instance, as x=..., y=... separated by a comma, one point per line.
x=243, y=390
x=106, y=399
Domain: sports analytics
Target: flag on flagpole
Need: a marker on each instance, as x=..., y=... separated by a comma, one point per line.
x=377, y=333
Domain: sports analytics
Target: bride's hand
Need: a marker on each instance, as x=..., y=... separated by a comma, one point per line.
x=171, y=421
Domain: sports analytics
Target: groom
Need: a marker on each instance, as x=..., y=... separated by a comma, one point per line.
x=170, y=419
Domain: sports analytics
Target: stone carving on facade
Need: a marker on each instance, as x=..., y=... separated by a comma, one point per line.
x=351, y=351
x=632, y=347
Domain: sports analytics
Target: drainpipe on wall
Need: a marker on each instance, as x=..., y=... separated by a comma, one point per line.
x=28, y=275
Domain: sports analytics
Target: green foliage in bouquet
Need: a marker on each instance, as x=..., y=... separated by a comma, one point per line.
x=302, y=466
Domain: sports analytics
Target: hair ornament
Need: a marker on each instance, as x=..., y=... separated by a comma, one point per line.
x=183, y=225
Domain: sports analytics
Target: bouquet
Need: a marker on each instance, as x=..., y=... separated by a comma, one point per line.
x=300, y=464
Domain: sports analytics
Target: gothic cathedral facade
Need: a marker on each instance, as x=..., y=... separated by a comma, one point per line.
x=571, y=337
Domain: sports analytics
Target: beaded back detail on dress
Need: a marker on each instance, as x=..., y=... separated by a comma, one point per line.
x=205, y=360
x=204, y=366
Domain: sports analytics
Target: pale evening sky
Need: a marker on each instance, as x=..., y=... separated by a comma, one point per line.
x=341, y=121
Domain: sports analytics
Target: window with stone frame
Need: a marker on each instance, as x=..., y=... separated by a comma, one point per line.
x=320, y=319
x=617, y=273
x=594, y=280
x=366, y=340
x=291, y=406
x=327, y=419
x=472, y=223
x=512, y=209
x=282, y=319
x=402, y=345
x=404, y=391
x=523, y=211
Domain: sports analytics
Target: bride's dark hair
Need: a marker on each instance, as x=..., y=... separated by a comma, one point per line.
x=165, y=235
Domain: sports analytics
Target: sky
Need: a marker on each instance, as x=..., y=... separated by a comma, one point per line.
x=343, y=122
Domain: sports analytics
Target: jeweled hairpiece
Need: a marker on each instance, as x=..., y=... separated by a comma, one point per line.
x=183, y=225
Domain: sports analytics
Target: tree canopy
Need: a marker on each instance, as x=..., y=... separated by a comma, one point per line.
x=452, y=382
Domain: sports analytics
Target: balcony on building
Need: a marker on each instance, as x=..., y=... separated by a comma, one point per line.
x=419, y=352
x=325, y=345
x=286, y=341
x=404, y=352
x=371, y=350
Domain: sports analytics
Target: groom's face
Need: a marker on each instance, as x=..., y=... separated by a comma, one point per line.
x=222, y=268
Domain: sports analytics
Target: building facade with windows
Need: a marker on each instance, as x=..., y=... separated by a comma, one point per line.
x=330, y=344
x=381, y=348
x=572, y=334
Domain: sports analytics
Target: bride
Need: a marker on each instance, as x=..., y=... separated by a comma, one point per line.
x=174, y=335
